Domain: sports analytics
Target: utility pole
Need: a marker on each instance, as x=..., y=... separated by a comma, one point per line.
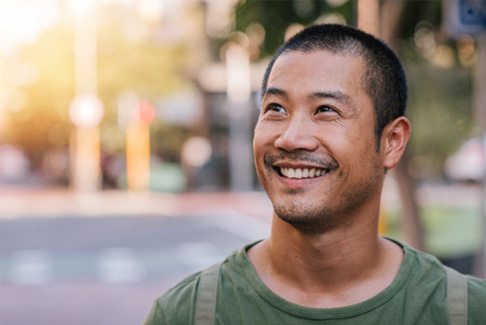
x=369, y=16
x=86, y=109
x=239, y=92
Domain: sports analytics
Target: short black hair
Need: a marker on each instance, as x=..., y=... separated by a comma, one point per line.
x=384, y=76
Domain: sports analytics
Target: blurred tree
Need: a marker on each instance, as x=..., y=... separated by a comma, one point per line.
x=439, y=87
x=130, y=58
x=437, y=106
x=441, y=116
x=42, y=121
x=440, y=84
x=277, y=16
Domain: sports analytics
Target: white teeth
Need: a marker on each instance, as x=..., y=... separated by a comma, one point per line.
x=290, y=172
x=305, y=173
x=298, y=173
x=301, y=172
x=312, y=172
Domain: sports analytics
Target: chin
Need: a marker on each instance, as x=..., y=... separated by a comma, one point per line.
x=303, y=216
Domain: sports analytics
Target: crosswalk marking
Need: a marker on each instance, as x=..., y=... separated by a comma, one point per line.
x=30, y=267
x=120, y=265
x=116, y=265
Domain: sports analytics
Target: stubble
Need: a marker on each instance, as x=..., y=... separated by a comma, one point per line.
x=329, y=210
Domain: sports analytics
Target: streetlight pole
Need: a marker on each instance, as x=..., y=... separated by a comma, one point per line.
x=86, y=110
x=369, y=16
x=239, y=91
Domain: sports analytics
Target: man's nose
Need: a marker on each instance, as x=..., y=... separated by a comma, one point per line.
x=297, y=135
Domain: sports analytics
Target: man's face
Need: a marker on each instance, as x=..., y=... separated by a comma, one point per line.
x=314, y=143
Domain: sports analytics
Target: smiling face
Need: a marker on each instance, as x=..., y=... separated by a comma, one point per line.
x=314, y=144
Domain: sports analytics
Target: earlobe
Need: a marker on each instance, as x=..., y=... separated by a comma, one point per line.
x=395, y=137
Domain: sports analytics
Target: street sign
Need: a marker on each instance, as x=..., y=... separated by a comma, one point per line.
x=472, y=13
x=464, y=17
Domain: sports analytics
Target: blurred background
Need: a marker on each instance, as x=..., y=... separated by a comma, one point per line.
x=125, y=142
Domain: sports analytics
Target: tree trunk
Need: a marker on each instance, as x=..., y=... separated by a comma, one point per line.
x=387, y=22
x=410, y=221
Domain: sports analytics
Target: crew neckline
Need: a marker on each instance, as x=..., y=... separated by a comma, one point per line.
x=328, y=313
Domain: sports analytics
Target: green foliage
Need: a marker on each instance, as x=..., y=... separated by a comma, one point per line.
x=440, y=112
x=144, y=65
x=450, y=231
x=418, y=11
x=43, y=121
x=150, y=68
x=276, y=16
x=167, y=140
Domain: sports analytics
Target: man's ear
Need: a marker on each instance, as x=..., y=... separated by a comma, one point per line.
x=394, y=139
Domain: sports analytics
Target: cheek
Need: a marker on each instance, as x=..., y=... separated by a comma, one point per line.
x=259, y=143
x=263, y=136
x=353, y=148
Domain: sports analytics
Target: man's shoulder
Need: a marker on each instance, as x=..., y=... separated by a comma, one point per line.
x=434, y=265
x=182, y=291
x=427, y=263
x=476, y=287
x=176, y=304
x=420, y=266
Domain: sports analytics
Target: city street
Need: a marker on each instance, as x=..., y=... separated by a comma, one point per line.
x=129, y=133
x=61, y=267
x=103, y=258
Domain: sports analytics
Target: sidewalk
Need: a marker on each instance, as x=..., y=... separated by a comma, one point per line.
x=53, y=202
x=18, y=203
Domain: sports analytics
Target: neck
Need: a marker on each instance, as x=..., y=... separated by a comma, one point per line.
x=338, y=255
x=319, y=269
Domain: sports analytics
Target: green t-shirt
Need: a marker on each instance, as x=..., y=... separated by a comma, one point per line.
x=416, y=296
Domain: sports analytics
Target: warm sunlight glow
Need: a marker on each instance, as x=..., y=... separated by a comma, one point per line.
x=22, y=21
x=86, y=111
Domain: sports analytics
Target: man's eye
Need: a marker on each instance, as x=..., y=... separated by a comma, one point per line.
x=325, y=109
x=276, y=108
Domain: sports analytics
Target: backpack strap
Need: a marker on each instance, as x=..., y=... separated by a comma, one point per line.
x=207, y=293
x=456, y=297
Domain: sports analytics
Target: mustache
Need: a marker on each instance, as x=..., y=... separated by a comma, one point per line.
x=301, y=156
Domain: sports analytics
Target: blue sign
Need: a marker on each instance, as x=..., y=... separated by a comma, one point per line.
x=472, y=13
x=464, y=17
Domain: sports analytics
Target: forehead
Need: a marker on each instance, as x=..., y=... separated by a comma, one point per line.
x=318, y=69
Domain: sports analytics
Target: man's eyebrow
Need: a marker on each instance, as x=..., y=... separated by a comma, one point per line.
x=337, y=95
x=275, y=91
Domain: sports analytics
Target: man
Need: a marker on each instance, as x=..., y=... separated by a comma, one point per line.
x=331, y=124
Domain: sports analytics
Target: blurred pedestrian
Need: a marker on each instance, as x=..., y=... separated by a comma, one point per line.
x=332, y=123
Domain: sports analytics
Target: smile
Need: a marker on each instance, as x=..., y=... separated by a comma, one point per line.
x=302, y=172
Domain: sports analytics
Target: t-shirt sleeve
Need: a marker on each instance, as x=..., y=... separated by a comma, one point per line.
x=156, y=316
